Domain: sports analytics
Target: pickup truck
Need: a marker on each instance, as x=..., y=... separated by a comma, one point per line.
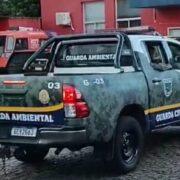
x=106, y=90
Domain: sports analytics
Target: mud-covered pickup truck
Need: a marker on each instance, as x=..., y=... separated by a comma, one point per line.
x=107, y=90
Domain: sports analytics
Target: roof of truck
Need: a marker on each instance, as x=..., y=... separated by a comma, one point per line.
x=23, y=34
x=145, y=37
x=172, y=40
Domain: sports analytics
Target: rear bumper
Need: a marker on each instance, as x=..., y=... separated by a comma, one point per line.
x=51, y=137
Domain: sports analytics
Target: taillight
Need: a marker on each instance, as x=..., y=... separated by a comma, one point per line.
x=74, y=105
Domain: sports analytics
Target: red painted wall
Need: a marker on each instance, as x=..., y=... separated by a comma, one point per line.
x=110, y=14
x=25, y=22
x=161, y=19
x=6, y=23
x=3, y=24
x=75, y=7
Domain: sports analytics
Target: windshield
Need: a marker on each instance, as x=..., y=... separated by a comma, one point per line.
x=2, y=44
x=86, y=54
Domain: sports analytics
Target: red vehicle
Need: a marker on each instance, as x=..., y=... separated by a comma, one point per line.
x=17, y=46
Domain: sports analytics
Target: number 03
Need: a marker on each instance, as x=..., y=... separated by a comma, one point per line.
x=54, y=85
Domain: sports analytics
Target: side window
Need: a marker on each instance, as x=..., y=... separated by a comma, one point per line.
x=156, y=53
x=10, y=43
x=127, y=58
x=175, y=50
x=2, y=44
x=21, y=44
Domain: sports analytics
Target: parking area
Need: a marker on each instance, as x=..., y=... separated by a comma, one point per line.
x=160, y=160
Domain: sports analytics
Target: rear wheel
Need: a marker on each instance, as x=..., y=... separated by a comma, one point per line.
x=30, y=154
x=128, y=144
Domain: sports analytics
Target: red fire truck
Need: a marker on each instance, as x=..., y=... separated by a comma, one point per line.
x=17, y=46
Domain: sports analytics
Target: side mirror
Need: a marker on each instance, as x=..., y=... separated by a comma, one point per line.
x=38, y=65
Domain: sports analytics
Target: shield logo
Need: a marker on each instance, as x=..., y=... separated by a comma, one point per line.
x=167, y=85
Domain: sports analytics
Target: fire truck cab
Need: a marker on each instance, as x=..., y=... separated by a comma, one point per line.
x=17, y=46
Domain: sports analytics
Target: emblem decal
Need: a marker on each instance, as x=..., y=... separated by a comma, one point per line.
x=167, y=86
x=44, y=96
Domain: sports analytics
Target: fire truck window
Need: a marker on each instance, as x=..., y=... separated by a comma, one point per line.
x=2, y=44
x=21, y=44
x=10, y=43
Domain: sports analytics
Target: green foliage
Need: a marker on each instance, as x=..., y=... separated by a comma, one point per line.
x=20, y=8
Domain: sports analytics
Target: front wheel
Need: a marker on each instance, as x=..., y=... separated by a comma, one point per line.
x=128, y=144
x=30, y=154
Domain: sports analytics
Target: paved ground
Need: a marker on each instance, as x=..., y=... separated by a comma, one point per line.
x=161, y=160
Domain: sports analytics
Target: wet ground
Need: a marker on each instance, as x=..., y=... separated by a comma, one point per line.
x=160, y=160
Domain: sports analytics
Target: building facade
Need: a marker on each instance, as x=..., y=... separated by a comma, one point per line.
x=77, y=16
x=163, y=15
x=154, y=3
x=9, y=23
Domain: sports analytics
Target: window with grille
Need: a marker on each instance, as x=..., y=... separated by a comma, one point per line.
x=127, y=16
x=94, y=16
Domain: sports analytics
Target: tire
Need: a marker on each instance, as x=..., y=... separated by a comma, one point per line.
x=30, y=154
x=129, y=142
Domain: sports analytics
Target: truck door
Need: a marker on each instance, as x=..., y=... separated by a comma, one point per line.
x=6, y=48
x=163, y=83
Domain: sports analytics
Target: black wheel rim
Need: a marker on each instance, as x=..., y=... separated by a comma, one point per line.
x=129, y=147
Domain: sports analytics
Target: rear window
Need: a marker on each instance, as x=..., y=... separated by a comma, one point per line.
x=91, y=54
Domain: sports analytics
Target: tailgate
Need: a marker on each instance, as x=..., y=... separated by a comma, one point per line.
x=31, y=100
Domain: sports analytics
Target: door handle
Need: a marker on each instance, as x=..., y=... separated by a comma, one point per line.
x=156, y=80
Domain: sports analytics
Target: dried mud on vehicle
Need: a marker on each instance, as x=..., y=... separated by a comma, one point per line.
x=106, y=90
